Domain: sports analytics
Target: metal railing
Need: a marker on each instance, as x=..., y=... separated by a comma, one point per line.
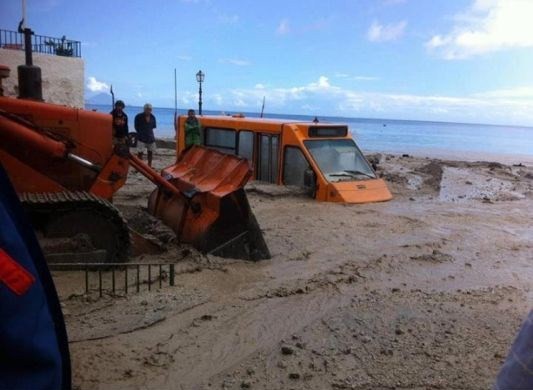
x=41, y=44
x=123, y=278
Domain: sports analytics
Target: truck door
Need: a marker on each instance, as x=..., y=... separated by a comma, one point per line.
x=267, y=161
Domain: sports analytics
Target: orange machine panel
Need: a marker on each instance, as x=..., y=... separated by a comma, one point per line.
x=87, y=134
x=204, y=177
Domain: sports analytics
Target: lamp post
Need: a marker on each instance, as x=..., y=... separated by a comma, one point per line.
x=200, y=78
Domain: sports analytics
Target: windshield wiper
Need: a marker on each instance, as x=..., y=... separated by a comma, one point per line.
x=351, y=173
x=355, y=172
x=341, y=174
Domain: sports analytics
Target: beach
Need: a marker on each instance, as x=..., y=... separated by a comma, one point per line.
x=424, y=291
x=125, y=222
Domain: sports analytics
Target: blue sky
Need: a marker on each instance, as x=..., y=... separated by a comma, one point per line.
x=450, y=60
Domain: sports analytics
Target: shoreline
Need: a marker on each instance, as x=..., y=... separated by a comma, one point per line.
x=503, y=158
x=278, y=115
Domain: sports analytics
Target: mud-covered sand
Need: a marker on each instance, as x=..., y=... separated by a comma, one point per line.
x=426, y=291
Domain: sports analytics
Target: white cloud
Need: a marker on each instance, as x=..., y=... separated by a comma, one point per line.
x=218, y=99
x=347, y=76
x=184, y=57
x=277, y=97
x=94, y=85
x=234, y=61
x=382, y=33
x=239, y=102
x=283, y=27
x=321, y=97
x=511, y=93
x=286, y=27
x=322, y=83
x=187, y=98
x=487, y=26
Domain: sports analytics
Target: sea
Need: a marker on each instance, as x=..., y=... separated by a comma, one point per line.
x=509, y=144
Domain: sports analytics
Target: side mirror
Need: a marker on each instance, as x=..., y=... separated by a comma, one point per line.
x=310, y=182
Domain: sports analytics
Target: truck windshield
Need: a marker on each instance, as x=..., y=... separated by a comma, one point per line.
x=340, y=160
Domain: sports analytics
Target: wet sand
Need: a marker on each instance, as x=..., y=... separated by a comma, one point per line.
x=423, y=292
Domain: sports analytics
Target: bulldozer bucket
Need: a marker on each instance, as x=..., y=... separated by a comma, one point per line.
x=210, y=209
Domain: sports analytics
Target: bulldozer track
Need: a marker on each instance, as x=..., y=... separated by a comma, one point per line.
x=81, y=208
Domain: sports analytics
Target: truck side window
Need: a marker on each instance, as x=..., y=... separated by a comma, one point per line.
x=246, y=145
x=294, y=166
x=268, y=158
x=221, y=139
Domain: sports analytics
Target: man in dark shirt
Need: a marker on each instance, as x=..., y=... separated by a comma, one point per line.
x=120, y=123
x=144, y=125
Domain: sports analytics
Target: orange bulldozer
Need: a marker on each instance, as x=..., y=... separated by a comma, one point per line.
x=66, y=170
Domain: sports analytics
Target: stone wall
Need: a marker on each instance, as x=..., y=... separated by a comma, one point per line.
x=63, y=77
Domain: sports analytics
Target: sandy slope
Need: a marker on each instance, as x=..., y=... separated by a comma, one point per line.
x=423, y=292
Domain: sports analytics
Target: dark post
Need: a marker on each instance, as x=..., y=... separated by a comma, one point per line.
x=126, y=279
x=27, y=46
x=113, y=279
x=200, y=100
x=138, y=277
x=200, y=76
x=171, y=272
x=29, y=76
x=100, y=282
x=86, y=280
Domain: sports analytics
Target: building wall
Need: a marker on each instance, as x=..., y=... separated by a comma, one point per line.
x=62, y=76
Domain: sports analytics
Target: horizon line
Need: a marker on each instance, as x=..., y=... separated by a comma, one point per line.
x=339, y=117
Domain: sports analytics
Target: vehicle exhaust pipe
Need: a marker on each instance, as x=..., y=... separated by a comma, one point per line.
x=29, y=75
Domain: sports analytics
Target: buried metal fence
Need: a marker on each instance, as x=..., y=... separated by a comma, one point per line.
x=121, y=277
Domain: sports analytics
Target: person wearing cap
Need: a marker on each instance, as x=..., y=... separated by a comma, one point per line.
x=120, y=123
x=145, y=124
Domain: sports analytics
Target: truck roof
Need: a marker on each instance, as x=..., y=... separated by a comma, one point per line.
x=272, y=121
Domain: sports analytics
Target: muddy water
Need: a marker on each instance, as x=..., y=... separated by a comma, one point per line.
x=425, y=291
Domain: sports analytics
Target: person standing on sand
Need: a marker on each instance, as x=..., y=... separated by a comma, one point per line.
x=145, y=124
x=192, y=130
x=120, y=123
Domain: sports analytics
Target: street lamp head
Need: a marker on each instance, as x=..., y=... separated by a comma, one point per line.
x=200, y=76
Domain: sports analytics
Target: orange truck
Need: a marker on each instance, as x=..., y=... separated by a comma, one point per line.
x=66, y=170
x=322, y=158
